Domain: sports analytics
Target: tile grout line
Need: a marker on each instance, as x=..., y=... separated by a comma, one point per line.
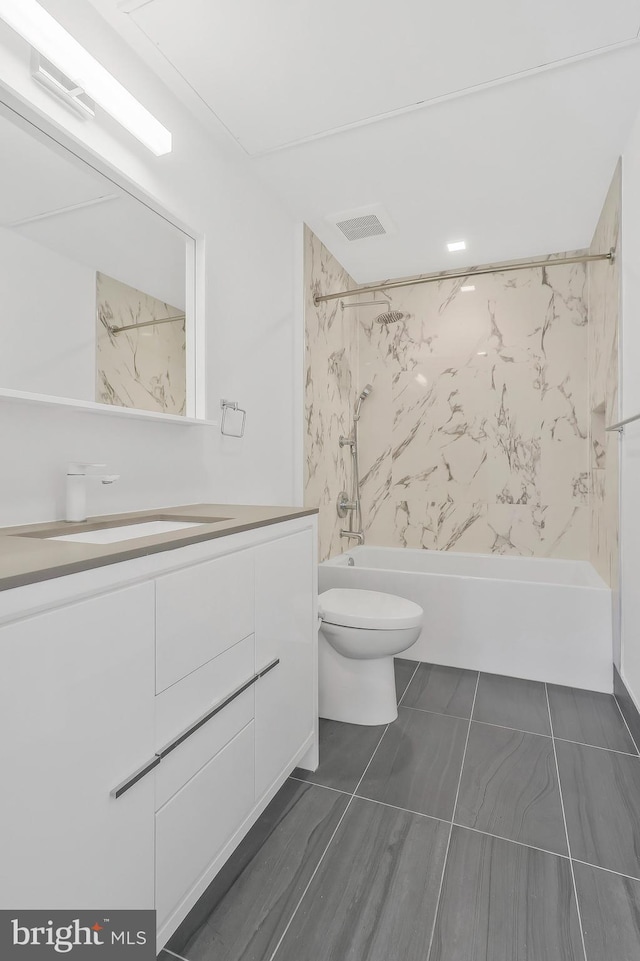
x=326, y=787
x=466, y=827
x=519, y=730
x=599, y=867
x=423, y=710
x=633, y=740
x=453, y=814
x=566, y=829
x=324, y=853
x=432, y=817
x=522, y=844
x=415, y=670
x=307, y=886
x=596, y=747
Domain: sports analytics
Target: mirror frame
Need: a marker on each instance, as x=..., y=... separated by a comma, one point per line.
x=46, y=131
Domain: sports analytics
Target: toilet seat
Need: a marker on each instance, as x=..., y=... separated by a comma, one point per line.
x=368, y=610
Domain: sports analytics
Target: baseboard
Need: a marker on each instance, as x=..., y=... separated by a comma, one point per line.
x=627, y=706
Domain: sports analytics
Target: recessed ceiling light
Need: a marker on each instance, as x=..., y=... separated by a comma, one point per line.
x=482, y=353
x=46, y=35
x=457, y=245
x=468, y=288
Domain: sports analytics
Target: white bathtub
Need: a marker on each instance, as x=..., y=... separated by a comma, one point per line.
x=546, y=620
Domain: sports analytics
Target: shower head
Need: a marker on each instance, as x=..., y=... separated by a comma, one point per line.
x=390, y=317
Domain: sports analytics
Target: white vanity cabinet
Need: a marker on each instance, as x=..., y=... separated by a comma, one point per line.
x=185, y=678
x=77, y=710
x=284, y=580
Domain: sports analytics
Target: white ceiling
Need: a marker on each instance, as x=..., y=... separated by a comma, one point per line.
x=282, y=71
x=495, y=122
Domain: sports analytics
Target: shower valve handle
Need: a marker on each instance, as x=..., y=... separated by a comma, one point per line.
x=343, y=504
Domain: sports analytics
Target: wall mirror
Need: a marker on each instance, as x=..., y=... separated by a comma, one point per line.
x=97, y=289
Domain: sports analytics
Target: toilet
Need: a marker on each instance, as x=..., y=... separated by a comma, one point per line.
x=360, y=632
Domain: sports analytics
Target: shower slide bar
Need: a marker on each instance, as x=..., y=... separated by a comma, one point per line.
x=463, y=274
x=622, y=424
x=148, y=323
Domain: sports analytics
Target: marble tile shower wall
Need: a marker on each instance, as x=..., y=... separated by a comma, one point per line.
x=476, y=434
x=604, y=303
x=331, y=344
x=144, y=369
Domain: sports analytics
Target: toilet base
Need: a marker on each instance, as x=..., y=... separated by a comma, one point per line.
x=356, y=691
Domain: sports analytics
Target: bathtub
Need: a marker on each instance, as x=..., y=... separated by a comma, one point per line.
x=535, y=618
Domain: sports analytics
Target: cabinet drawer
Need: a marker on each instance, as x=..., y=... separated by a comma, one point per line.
x=200, y=612
x=194, y=697
x=193, y=827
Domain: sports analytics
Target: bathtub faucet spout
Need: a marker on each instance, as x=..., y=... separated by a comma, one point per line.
x=358, y=535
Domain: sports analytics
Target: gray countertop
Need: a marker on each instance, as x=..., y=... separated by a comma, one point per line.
x=26, y=558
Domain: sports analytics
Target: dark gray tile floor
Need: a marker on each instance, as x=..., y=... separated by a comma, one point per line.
x=589, y=718
x=512, y=702
x=445, y=690
x=509, y=788
x=495, y=820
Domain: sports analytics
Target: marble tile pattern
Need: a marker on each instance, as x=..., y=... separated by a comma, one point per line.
x=143, y=369
x=475, y=437
x=331, y=351
x=604, y=305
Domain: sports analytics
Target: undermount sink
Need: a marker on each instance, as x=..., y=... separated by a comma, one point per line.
x=111, y=532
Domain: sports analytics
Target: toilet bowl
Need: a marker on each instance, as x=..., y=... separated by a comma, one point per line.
x=359, y=634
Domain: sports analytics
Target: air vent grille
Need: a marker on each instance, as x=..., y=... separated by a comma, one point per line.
x=357, y=228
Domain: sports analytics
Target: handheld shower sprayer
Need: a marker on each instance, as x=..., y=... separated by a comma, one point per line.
x=353, y=505
x=364, y=393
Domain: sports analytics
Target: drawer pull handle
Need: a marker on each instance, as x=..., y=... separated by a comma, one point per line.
x=269, y=667
x=134, y=778
x=149, y=766
x=219, y=706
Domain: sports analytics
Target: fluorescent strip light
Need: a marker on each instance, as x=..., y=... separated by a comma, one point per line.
x=468, y=288
x=454, y=245
x=43, y=32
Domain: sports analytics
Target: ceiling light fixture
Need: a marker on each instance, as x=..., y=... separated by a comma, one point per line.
x=456, y=245
x=468, y=288
x=47, y=36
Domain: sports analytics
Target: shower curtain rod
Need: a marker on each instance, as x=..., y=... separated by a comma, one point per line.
x=147, y=323
x=469, y=272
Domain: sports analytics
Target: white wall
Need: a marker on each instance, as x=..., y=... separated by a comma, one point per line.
x=48, y=306
x=630, y=444
x=250, y=317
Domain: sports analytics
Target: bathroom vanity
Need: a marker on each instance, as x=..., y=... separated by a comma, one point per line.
x=155, y=693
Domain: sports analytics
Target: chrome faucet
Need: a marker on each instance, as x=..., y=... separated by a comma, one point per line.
x=357, y=535
x=76, y=499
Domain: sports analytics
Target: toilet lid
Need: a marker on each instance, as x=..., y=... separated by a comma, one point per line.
x=371, y=610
